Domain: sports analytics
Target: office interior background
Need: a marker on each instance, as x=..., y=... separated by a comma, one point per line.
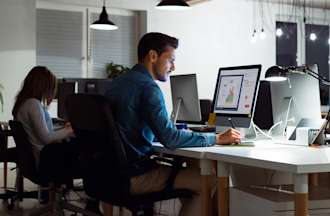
x=213, y=34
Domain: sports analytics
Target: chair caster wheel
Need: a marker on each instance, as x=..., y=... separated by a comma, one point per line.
x=10, y=206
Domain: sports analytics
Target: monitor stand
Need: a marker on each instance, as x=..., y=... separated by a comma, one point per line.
x=176, y=109
x=279, y=129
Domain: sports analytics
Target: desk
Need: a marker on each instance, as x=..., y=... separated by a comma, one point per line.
x=205, y=169
x=300, y=161
x=294, y=159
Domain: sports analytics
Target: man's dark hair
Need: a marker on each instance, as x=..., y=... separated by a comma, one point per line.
x=155, y=41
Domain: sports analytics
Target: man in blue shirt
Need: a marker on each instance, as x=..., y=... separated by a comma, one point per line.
x=140, y=113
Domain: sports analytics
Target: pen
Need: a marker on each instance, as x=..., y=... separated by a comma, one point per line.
x=231, y=123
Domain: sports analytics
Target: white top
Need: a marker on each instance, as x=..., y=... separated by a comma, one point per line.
x=38, y=125
x=265, y=154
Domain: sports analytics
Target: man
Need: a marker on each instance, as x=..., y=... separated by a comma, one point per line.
x=140, y=113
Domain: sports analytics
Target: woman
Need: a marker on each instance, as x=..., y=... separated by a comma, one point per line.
x=30, y=109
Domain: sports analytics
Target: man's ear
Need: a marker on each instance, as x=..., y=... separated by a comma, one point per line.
x=153, y=56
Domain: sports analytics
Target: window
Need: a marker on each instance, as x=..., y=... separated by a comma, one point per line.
x=314, y=49
x=59, y=41
x=317, y=52
x=286, y=44
x=70, y=49
x=117, y=46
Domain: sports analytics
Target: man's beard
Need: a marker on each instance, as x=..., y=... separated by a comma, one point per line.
x=159, y=76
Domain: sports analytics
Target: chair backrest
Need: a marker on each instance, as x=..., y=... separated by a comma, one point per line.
x=26, y=160
x=206, y=109
x=103, y=157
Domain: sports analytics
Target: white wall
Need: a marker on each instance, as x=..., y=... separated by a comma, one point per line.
x=17, y=47
x=212, y=34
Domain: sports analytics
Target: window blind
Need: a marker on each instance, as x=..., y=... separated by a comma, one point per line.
x=118, y=46
x=59, y=41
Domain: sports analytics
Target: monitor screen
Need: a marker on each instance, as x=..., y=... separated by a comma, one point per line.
x=63, y=90
x=235, y=95
x=185, y=99
x=78, y=85
x=263, y=113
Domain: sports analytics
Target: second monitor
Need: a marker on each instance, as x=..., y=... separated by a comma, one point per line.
x=235, y=95
x=185, y=99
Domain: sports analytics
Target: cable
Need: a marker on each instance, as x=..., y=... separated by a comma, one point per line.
x=260, y=131
x=272, y=127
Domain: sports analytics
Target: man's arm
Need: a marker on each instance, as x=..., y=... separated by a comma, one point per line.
x=156, y=116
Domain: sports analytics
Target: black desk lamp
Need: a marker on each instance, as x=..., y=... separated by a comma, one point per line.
x=278, y=73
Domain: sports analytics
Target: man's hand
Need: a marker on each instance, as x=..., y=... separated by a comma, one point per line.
x=228, y=137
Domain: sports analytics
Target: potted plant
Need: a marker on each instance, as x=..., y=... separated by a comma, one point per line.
x=114, y=70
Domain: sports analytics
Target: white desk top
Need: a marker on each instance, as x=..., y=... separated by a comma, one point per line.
x=287, y=158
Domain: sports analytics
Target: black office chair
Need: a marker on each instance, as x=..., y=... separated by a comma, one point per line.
x=206, y=109
x=106, y=172
x=28, y=169
x=7, y=155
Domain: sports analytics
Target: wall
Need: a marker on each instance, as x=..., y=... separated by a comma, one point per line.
x=212, y=34
x=17, y=47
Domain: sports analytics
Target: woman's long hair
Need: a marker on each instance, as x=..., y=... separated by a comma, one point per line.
x=40, y=84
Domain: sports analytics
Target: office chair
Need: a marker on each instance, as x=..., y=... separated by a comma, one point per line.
x=28, y=168
x=104, y=164
x=206, y=109
x=6, y=155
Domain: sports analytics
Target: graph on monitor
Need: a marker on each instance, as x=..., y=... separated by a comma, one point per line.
x=230, y=92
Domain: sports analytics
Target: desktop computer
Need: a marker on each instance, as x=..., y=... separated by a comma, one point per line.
x=235, y=95
x=79, y=85
x=185, y=101
x=293, y=101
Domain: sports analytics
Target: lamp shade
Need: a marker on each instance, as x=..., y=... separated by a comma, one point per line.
x=173, y=5
x=276, y=74
x=103, y=23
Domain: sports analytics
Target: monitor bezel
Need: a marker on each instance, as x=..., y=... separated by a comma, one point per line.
x=250, y=115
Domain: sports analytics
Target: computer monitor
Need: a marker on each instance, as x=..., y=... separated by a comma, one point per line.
x=295, y=99
x=235, y=95
x=78, y=85
x=64, y=89
x=185, y=99
x=263, y=112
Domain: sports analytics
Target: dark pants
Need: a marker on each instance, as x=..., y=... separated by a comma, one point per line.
x=59, y=163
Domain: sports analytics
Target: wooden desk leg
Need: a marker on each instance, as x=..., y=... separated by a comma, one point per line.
x=223, y=188
x=313, y=179
x=206, y=171
x=301, y=194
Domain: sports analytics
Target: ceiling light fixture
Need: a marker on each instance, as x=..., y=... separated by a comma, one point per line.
x=103, y=23
x=173, y=5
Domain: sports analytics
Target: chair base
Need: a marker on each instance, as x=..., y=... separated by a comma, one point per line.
x=57, y=205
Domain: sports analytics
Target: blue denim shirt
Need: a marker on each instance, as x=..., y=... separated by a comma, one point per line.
x=140, y=113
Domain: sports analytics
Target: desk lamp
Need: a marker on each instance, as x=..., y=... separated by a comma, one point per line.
x=278, y=73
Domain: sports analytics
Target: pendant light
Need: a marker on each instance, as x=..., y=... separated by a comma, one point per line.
x=173, y=5
x=103, y=23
